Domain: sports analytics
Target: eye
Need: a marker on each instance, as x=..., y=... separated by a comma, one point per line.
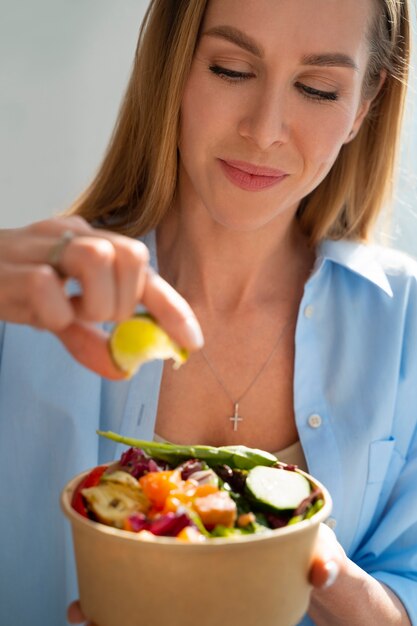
x=317, y=94
x=232, y=76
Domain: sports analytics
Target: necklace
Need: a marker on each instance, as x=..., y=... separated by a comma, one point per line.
x=236, y=418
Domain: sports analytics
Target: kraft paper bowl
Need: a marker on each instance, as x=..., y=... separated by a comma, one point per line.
x=256, y=580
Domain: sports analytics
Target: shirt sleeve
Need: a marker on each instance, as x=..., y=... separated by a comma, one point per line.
x=390, y=553
x=2, y=327
x=389, y=550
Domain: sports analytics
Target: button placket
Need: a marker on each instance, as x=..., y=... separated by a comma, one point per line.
x=314, y=419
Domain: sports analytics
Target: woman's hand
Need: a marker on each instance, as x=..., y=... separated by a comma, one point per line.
x=345, y=594
x=329, y=560
x=114, y=275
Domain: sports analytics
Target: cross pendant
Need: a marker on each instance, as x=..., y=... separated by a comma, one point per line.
x=236, y=417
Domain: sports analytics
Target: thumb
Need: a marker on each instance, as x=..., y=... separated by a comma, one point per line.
x=328, y=559
x=324, y=573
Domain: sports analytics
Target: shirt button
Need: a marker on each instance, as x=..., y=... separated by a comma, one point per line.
x=331, y=523
x=309, y=311
x=314, y=421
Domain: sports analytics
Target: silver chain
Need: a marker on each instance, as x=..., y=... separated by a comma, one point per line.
x=251, y=384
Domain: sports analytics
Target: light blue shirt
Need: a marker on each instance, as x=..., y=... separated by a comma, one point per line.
x=355, y=399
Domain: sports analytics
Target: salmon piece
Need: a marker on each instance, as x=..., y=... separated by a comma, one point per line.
x=245, y=519
x=216, y=509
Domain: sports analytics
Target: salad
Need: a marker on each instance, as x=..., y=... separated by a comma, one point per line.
x=195, y=493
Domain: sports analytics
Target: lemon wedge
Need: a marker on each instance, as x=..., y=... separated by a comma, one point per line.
x=140, y=339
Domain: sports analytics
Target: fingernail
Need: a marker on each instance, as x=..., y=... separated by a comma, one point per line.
x=332, y=570
x=193, y=332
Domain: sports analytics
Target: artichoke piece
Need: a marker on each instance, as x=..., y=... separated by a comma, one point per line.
x=121, y=478
x=205, y=477
x=111, y=503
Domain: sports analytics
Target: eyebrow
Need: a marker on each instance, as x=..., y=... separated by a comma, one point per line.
x=236, y=36
x=330, y=60
x=239, y=38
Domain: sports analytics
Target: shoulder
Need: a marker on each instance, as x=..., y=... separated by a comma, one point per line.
x=401, y=271
x=395, y=262
x=370, y=267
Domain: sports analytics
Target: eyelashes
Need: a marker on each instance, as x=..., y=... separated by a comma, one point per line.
x=234, y=76
x=230, y=75
x=318, y=94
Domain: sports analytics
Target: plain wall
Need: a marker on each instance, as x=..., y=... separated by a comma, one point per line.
x=64, y=66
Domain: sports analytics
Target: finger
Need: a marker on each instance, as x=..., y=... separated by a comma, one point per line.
x=130, y=269
x=323, y=574
x=90, y=346
x=51, y=307
x=74, y=613
x=91, y=260
x=94, y=259
x=55, y=226
x=111, y=269
x=25, y=247
x=33, y=294
x=328, y=559
x=34, y=242
x=172, y=312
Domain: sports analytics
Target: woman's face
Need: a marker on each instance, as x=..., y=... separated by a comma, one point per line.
x=273, y=94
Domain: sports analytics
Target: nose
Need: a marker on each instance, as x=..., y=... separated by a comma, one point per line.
x=265, y=120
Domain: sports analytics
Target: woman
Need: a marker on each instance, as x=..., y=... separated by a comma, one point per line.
x=252, y=155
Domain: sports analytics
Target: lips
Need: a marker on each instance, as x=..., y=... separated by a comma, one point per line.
x=251, y=177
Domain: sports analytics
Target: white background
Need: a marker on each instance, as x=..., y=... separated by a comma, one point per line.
x=64, y=65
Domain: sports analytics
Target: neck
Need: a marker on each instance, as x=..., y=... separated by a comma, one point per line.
x=223, y=269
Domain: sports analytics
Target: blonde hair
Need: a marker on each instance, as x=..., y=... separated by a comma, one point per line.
x=348, y=201
x=136, y=183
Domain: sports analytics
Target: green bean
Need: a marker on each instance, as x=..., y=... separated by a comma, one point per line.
x=237, y=457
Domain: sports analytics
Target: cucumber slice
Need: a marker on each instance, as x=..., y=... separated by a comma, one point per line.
x=276, y=489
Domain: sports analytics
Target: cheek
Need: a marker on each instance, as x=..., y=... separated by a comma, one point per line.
x=195, y=119
x=323, y=140
x=196, y=133
x=209, y=106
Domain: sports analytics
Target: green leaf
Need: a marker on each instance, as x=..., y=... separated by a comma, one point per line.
x=225, y=531
x=314, y=508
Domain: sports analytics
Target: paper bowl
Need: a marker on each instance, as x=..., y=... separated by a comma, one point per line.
x=255, y=580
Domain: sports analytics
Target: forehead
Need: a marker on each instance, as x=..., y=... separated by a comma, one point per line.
x=298, y=27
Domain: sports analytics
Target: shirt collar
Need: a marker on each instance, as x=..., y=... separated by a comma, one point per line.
x=356, y=257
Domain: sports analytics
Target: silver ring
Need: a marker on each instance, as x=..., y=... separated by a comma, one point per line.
x=55, y=254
